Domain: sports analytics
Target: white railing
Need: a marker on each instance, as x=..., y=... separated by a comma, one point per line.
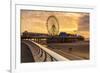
x=53, y=54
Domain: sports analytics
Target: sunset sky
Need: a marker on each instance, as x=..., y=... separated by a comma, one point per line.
x=70, y=22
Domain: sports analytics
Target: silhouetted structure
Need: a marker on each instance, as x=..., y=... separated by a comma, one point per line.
x=64, y=37
x=61, y=38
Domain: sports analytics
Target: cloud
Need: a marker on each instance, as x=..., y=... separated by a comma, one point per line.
x=31, y=19
x=84, y=22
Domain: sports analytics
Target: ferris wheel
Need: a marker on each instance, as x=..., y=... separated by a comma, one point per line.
x=52, y=25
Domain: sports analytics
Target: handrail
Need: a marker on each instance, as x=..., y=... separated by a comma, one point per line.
x=50, y=52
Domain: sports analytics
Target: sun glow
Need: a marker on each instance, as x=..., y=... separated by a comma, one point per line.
x=69, y=22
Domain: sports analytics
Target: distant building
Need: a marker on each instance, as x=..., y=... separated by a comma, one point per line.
x=61, y=38
x=30, y=35
x=63, y=34
x=65, y=37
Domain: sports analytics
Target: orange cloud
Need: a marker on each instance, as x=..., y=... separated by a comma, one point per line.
x=35, y=21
